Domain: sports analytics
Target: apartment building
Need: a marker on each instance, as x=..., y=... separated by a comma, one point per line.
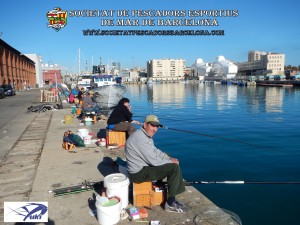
x=255, y=55
x=166, y=69
x=262, y=63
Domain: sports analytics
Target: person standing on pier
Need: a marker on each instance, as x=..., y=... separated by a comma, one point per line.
x=145, y=162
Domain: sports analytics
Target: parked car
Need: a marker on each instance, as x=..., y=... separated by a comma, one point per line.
x=8, y=90
x=2, y=92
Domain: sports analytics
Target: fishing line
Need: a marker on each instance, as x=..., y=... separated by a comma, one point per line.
x=206, y=135
x=241, y=182
x=213, y=136
x=164, y=118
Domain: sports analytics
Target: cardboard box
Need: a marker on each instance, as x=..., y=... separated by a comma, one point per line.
x=134, y=213
x=144, y=195
x=157, y=198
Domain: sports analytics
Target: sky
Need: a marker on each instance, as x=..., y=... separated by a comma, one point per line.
x=271, y=26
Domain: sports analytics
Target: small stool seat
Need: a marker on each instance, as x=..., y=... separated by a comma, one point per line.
x=115, y=137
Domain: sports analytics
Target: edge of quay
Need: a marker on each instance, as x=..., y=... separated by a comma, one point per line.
x=59, y=168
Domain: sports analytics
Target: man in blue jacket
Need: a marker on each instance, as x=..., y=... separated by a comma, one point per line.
x=145, y=162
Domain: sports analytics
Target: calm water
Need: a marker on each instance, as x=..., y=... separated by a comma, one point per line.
x=263, y=125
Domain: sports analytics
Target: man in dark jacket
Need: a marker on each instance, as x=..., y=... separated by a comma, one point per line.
x=80, y=94
x=121, y=118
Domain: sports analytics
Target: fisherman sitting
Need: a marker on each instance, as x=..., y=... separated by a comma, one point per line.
x=121, y=118
x=88, y=105
x=145, y=163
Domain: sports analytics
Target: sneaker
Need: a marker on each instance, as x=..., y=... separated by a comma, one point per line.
x=175, y=207
x=180, y=204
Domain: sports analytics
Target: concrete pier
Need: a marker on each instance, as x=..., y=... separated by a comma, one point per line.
x=42, y=164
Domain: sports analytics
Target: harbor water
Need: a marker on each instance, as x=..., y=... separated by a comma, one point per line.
x=230, y=133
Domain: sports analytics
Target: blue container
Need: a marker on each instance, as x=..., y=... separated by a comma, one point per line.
x=73, y=110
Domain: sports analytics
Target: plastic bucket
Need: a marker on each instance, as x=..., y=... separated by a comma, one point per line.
x=88, y=121
x=68, y=119
x=73, y=110
x=102, y=142
x=108, y=214
x=78, y=111
x=87, y=140
x=83, y=132
x=117, y=185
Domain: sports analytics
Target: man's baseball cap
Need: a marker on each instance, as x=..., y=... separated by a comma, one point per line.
x=91, y=92
x=153, y=120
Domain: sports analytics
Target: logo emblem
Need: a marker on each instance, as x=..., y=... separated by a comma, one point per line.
x=57, y=18
x=25, y=211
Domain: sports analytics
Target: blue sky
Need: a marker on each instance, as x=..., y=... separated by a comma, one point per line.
x=266, y=25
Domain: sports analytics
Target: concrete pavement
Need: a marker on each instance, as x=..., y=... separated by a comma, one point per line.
x=58, y=168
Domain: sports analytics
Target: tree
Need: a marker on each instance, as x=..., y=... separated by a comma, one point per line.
x=290, y=67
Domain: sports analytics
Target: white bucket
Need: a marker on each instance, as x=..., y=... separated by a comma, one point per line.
x=88, y=121
x=83, y=132
x=102, y=142
x=108, y=215
x=87, y=140
x=117, y=184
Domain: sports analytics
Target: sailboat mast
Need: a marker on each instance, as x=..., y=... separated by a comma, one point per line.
x=79, y=61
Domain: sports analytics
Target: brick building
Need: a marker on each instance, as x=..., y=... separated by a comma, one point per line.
x=15, y=68
x=51, y=73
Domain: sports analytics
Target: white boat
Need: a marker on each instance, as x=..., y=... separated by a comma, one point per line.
x=108, y=96
x=85, y=81
x=149, y=81
x=101, y=80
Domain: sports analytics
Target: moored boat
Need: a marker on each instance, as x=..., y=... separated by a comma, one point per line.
x=242, y=83
x=102, y=80
x=108, y=96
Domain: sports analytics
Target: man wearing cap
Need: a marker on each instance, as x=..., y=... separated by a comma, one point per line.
x=88, y=105
x=145, y=162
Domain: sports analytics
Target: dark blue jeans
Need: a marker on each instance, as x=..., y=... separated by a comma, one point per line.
x=95, y=109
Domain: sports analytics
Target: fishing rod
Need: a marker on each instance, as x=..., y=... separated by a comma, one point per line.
x=208, y=135
x=164, y=118
x=212, y=136
x=241, y=182
x=84, y=186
